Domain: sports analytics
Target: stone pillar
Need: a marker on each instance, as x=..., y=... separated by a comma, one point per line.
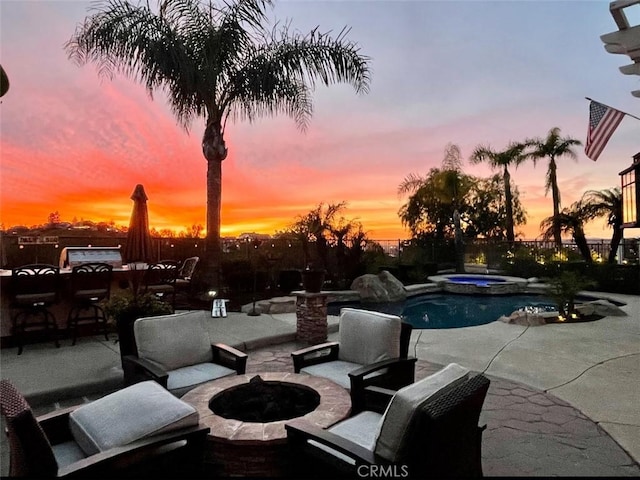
x=311, y=317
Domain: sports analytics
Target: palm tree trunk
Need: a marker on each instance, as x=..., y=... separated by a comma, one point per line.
x=616, y=238
x=581, y=243
x=508, y=205
x=214, y=151
x=458, y=242
x=555, y=193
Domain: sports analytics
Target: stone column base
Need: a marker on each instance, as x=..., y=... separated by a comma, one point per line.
x=311, y=317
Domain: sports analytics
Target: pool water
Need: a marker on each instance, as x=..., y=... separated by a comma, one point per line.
x=454, y=311
x=448, y=310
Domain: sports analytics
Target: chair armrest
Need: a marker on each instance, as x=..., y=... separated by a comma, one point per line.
x=299, y=432
x=376, y=399
x=115, y=461
x=138, y=369
x=323, y=352
x=229, y=357
x=55, y=425
x=400, y=372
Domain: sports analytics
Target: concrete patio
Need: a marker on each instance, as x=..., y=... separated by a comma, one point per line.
x=563, y=399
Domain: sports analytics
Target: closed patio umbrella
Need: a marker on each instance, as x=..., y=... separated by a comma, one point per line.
x=138, y=247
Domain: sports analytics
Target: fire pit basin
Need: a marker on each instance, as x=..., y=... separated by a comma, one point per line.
x=263, y=401
x=259, y=449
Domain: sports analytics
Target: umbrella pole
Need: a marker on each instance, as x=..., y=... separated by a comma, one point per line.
x=254, y=312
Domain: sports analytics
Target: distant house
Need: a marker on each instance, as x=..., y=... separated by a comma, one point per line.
x=247, y=237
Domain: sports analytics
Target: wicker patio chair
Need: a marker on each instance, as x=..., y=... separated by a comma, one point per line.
x=176, y=351
x=427, y=430
x=139, y=431
x=372, y=350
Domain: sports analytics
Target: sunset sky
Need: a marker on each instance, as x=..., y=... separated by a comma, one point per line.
x=466, y=72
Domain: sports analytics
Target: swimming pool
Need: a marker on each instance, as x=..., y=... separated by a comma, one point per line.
x=446, y=310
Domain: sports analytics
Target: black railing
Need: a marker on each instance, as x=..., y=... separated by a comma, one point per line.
x=410, y=260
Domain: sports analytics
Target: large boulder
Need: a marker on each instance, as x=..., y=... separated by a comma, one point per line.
x=602, y=308
x=395, y=288
x=531, y=319
x=370, y=288
x=383, y=287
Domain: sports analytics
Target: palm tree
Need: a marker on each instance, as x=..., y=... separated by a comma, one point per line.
x=569, y=220
x=513, y=155
x=606, y=203
x=217, y=62
x=4, y=82
x=553, y=147
x=450, y=187
x=314, y=227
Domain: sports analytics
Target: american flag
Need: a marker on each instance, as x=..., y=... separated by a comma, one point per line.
x=603, y=121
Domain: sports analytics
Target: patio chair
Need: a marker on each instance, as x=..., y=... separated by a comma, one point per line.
x=160, y=280
x=139, y=431
x=34, y=289
x=372, y=350
x=176, y=351
x=427, y=430
x=183, y=281
x=90, y=283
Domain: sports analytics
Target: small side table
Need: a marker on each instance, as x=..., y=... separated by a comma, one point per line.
x=311, y=317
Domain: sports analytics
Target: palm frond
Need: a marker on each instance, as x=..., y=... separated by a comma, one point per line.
x=410, y=184
x=604, y=203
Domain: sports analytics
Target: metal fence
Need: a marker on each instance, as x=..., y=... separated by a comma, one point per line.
x=288, y=254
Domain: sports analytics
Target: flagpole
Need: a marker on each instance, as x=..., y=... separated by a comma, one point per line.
x=632, y=116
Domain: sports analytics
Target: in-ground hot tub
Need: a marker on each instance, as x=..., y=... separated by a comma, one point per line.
x=253, y=446
x=468, y=283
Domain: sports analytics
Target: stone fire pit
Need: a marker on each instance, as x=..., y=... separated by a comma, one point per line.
x=239, y=447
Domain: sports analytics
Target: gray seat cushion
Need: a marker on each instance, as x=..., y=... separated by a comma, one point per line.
x=405, y=404
x=361, y=429
x=173, y=341
x=67, y=453
x=133, y=413
x=367, y=337
x=336, y=371
x=183, y=379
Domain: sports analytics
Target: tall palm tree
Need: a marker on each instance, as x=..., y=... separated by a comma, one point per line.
x=513, y=155
x=569, y=220
x=217, y=62
x=553, y=147
x=606, y=203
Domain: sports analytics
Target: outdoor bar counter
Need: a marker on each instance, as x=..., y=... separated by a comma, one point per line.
x=121, y=280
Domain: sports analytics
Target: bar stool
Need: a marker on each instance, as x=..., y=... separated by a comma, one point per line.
x=90, y=284
x=34, y=288
x=160, y=280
